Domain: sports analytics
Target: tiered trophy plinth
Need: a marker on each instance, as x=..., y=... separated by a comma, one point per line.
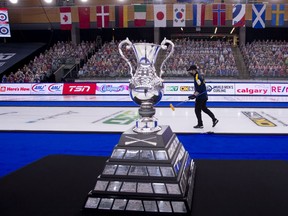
x=146, y=174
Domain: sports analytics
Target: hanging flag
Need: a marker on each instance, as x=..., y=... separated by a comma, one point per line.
x=179, y=14
x=278, y=12
x=219, y=14
x=160, y=15
x=258, y=15
x=198, y=14
x=84, y=17
x=238, y=13
x=4, y=23
x=139, y=15
x=65, y=18
x=102, y=13
x=5, y=30
x=4, y=15
x=121, y=16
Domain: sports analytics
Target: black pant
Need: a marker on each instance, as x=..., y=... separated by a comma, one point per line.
x=200, y=105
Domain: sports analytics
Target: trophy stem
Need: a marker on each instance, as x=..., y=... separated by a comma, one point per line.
x=147, y=123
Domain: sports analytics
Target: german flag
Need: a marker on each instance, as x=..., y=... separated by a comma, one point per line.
x=121, y=16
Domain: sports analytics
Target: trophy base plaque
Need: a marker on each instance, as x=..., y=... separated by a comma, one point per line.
x=146, y=174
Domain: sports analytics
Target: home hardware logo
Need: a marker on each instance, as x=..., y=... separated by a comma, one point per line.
x=259, y=119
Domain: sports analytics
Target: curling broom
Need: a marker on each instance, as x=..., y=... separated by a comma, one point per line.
x=173, y=107
x=178, y=104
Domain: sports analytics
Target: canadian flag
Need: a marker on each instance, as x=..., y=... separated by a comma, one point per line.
x=65, y=18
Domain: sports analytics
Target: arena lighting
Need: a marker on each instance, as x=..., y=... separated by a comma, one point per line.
x=232, y=30
x=215, y=31
x=84, y=0
x=13, y=1
x=48, y=1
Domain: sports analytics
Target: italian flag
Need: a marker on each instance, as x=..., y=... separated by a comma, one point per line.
x=139, y=15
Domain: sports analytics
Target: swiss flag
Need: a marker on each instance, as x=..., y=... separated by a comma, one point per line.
x=65, y=18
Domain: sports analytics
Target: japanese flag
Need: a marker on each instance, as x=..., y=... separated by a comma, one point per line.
x=160, y=16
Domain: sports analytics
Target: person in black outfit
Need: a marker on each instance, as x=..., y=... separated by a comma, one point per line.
x=201, y=97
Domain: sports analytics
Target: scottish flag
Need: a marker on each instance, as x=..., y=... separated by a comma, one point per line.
x=258, y=15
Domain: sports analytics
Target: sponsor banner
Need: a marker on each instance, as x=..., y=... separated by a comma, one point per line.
x=247, y=89
x=252, y=89
x=188, y=88
x=112, y=88
x=38, y=88
x=220, y=88
x=15, y=88
x=79, y=89
x=178, y=88
x=55, y=88
x=279, y=89
x=47, y=88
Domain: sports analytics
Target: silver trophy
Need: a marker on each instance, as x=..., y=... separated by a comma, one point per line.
x=146, y=85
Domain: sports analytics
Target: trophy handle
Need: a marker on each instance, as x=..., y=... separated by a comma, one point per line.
x=126, y=41
x=164, y=47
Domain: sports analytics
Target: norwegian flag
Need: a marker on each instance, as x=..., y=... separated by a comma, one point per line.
x=65, y=18
x=219, y=14
x=102, y=13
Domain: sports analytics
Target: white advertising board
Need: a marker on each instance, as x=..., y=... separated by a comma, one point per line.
x=112, y=88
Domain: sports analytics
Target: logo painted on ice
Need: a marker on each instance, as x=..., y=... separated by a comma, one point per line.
x=258, y=119
x=123, y=119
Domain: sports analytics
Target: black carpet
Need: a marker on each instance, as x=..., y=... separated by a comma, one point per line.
x=58, y=185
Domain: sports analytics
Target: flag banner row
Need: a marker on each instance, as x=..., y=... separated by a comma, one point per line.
x=176, y=15
x=4, y=23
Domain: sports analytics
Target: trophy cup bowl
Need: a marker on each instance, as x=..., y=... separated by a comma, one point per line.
x=146, y=85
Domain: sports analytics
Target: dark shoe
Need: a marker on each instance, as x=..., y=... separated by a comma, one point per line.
x=198, y=126
x=215, y=122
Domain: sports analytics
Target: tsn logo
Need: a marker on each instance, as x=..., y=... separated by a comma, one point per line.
x=79, y=88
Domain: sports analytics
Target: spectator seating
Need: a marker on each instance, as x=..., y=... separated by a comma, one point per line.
x=43, y=66
x=266, y=59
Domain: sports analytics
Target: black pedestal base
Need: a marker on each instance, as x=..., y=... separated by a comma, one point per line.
x=146, y=174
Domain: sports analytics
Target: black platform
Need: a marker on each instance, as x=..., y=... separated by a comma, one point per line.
x=58, y=185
